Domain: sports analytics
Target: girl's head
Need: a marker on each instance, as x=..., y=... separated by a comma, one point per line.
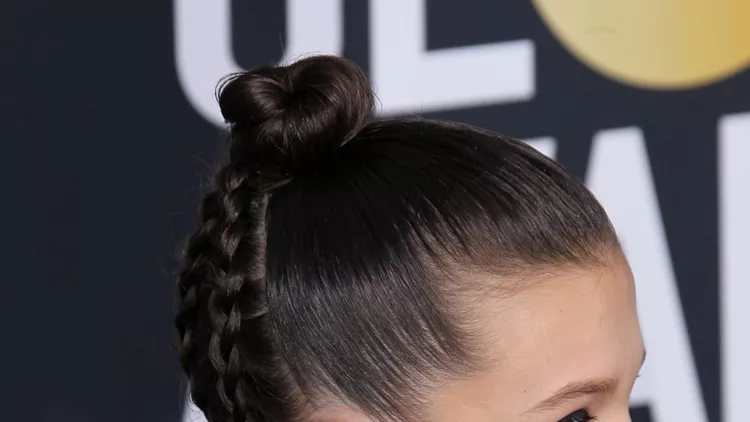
x=349, y=269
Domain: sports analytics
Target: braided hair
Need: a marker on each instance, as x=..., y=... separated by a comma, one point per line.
x=312, y=274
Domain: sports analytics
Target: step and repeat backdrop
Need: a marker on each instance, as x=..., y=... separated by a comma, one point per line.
x=112, y=128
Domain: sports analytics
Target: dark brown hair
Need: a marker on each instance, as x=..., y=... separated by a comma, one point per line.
x=321, y=265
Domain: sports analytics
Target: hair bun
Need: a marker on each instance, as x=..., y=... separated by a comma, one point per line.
x=284, y=117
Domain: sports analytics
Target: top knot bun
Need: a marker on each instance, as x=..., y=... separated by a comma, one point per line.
x=285, y=117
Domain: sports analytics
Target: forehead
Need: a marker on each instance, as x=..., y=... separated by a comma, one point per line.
x=563, y=312
x=571, y=325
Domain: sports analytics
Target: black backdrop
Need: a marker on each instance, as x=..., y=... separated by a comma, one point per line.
x=103, y=158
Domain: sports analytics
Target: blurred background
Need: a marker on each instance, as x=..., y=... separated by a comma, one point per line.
x=109, y=129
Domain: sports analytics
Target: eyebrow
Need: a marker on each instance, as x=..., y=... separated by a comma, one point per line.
x=578, y=389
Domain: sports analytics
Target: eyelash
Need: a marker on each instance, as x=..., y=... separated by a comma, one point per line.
x=581, y=415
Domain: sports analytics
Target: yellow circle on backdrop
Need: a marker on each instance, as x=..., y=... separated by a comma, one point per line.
x=658, y=44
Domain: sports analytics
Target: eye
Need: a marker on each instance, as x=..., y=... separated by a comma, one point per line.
x=578, y=416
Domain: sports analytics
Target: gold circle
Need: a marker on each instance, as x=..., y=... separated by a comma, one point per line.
x=658, y=44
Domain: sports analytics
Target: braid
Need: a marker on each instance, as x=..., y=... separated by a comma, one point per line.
x=222, y=306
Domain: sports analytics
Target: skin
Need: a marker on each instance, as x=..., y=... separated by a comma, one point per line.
x=570, y=341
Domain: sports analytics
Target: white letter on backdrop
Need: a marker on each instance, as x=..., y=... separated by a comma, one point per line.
x=546, y=145
x=734, y=250
x=408, y=78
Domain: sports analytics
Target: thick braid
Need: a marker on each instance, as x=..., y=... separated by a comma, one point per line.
x=222, y=304
x=242, y=245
